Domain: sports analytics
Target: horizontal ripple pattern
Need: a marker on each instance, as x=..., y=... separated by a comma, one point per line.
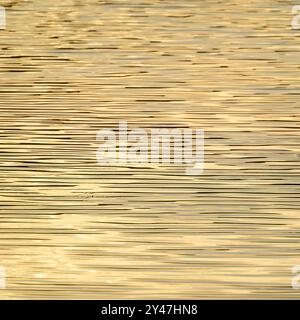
x=70, y=228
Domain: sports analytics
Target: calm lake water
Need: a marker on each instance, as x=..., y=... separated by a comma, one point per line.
x=70, y=228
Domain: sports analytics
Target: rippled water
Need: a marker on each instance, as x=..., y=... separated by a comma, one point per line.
x=73, y=229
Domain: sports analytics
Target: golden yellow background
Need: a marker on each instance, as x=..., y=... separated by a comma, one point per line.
x=70, y=228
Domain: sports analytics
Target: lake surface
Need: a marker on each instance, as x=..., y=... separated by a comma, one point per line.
x=71, y=228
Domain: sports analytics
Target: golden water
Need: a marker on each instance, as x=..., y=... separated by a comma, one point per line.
x=70, y=228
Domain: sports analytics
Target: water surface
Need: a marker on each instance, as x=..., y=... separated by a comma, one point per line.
x=72, y=229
